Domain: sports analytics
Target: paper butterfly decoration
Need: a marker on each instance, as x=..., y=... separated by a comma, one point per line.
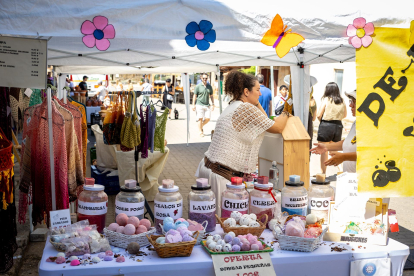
x=279, y=38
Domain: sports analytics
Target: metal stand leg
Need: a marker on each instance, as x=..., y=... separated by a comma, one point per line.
x=147, y=207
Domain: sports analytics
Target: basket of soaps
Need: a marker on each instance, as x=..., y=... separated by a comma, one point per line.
x=243, y=224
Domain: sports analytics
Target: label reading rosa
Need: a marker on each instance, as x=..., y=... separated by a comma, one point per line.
x=261, y=202
x=202, y=206
x=319, y=203
x=295, y=205
x=92, y=208
x=130, y=209
x=164, y=210
x=235, y=204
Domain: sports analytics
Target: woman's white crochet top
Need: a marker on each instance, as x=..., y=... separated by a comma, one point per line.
x=239, y=133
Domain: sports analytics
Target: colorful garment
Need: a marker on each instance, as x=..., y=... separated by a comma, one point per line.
x=143, y=148
x=35, y=97
x=160, y=127
x=151, y=127
x=82, y=109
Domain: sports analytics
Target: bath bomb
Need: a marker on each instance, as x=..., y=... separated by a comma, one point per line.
x=60, y=260
x=133, y=248
x=254, y=223
x=133, y=220
x=96, y=259
x=187, y=238
x=108, y=258
x=101, y=255
x=245, y=247
x=120, y=229
x=235, y=248
x=209, y=241
x=253, y=216
x=60, y=254
x=227, y=247
x=209, y=237
x=230, y=222
x=75, y=263
x=216, y=237
x=173, y=236
x=49, y=260
x=160, y=240
x=244, y=221
x=182, y=227
x=254, y=247
x=122, y=219
x=86, y=256
x=129, y=229
x=120, y=259
x=231, y=233
x=212, y=246
x=168, y=226
x=180, y=219
x=236, y=240
x=169, y=219
x=311, y=219
x=236, y=215
x=260, y=245
x=228, y=238
x=145, y=223
x=185, y=223
x=221, y=242
x=185, y=232
x=73, y=258
x=109, y=253
x=116, y=250
x=141, y=229
x=252, y=239
x=218, y=248
x=249, y=235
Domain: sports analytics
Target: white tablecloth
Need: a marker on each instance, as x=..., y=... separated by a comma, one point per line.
x=286, y=263
x=90, y=110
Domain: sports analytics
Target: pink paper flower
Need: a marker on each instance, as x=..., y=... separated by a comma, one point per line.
x=360, y=33
x=97, y=33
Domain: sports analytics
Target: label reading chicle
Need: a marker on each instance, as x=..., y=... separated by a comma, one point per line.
x=164, y=210
x=92, y=208
x=202, y=206
x=235, y=204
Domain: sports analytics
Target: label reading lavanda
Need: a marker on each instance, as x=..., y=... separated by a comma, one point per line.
x=260, y=202
x=202, y=206
x=319, y=203
x=235, y=204
x=295, y=205
x=130, y=209
x=168, y=209
x=92, y=208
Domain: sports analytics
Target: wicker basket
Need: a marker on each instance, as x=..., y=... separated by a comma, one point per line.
x=201, y=233
x=122, y=240
x=168, y=250
x=300, y=244
x=256, y=231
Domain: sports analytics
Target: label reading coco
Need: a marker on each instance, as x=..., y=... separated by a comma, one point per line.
x=168, y=209
x=92, y=208
x=202, y=207
x=319, y=203
x=130, y=209
x=260, y=202
x=295, y=205
x=235, y=204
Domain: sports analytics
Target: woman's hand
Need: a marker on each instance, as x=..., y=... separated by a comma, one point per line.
x=336, y=159
x=319, y=149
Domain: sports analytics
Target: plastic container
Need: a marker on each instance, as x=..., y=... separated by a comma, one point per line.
x=263, y=199
x=167, y=203
x=320, y=196
x=295, y=197
x=234, y=198
x=274, y=176
x=93, y=205
x=202, y=204
x=130, y=200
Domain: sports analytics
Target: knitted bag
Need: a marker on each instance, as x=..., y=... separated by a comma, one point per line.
x=130, y=127
x=6, y=162
x=109, y=124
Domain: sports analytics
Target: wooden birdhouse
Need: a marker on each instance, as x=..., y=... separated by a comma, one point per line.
x=290, y=150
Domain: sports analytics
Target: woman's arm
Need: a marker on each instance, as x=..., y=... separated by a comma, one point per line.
x=322, y=147
x=339, y=157
x=280, y=123
x=321, y=111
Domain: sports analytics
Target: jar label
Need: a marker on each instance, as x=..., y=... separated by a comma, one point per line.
x=129, y=208
x=92, y=208
x=235, y=204
x=164, y=210
x=295, y=205
x=319, y=203
x=202, y=206
x=260, y=202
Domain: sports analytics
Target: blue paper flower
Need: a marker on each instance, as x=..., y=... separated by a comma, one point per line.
x=200, y=34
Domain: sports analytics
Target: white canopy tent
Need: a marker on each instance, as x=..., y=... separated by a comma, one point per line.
x=150, y=35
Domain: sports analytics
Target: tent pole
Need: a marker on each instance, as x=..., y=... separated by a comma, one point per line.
x=301, y=88
x=51, y=155
x=219, y=90
x=272, y=81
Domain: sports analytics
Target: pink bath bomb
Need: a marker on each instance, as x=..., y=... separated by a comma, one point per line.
x=122, y=219
x=245, y=247
x=252, y=240
x=145, y=223
x=109, y=253
x=134, y=221
x=60, y=260
x=113, y=226
x=120, y=259
x=120, y=229
x=260, y=245
x=75, y=263
x=129, y=229
x=141, y=229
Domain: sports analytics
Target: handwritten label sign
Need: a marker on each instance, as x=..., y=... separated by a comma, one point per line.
x=255, y=264
x=23, y=62
x=60, y=218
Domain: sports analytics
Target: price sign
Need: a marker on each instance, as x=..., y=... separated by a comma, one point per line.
x=255, y=264
x=60, y=218
x=23, y=62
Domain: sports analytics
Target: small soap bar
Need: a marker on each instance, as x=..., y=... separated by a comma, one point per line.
x=202, y=182
x=294, y=178
x=167, y=183
x=89, y=181
x=263, y=180
x=236, y=180
x=130, y=183
x=320, y=177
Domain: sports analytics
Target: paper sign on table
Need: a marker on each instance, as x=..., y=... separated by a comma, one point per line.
x=255, y=264
x=60, y=218
x=371, y=267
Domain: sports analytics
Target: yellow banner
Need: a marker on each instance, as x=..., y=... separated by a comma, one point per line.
x=385, y=114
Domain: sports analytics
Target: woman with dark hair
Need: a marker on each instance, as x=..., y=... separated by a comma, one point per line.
x=331, y=113
x=238, y=135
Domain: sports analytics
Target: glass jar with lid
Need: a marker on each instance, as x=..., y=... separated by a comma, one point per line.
x=263, y=199
x=320, y=195
x=167, y=203
x=202, y=204
x=295, y=197
x=93, y=205
x=234, y=198
x=130, y=200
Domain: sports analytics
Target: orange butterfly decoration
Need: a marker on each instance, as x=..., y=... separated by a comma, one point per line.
x=279, y=38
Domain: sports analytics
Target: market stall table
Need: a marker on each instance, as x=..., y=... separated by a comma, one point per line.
x=286, y=263
x=90, y=110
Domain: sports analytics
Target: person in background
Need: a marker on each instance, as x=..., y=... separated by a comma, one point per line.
x=168, y=96
x=280, y=100
x=200, y=79
x=67, y=82
x=266, y=98
x=71, y=86
x=331, y=113
x=202, y=93
x=130, y=86
x=147, y=87
x=119, y=86
x=312, y=117
x=348, y=146
x=83, y=85
x=102, y=91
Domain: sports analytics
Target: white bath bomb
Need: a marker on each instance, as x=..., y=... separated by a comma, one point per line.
x=236, y=215
x=244, y=221
x=230, y=222
x=253, y=216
